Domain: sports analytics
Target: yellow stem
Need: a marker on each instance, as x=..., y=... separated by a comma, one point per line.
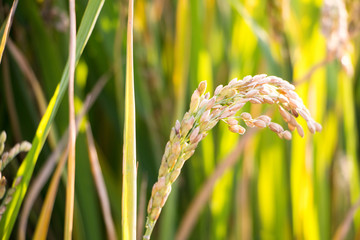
x=70, y=190
x=129, y=155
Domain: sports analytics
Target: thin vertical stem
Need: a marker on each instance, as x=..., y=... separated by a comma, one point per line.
x=129, y=157
x=44, y=173
x=100, y=185
x=42, y=226
x=6, y=30
x=34, y=84
x=70, y=190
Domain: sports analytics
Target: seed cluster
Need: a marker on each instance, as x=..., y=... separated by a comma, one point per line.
x=6, y=157
x=206, y=112
x=334, y=26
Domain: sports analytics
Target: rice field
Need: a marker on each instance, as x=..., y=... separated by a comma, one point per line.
x=259, y=184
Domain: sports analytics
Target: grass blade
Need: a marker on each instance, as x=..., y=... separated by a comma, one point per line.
x=100, y=185
x=34, y=83
x=129, y=155
x=39, y=181
x=70, y=188
x=26, y=169
x=46, y=211
x=5, y=28
x=45, y=171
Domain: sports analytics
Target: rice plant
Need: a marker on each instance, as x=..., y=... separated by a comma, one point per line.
x=131, y=73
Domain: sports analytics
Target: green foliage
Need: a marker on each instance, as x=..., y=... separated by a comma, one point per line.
x=301, y=189
x=26, y=169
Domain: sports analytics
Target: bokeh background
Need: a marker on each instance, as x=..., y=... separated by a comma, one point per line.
x=274, y=189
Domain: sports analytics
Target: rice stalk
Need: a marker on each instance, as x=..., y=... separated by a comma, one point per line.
x=34, y=84
x=70, y=189
x=27, y=166
x=43, y=222
x=334, y=26
x=5, y=28
x=206, y=112
x=44, y=173
x=100, y=185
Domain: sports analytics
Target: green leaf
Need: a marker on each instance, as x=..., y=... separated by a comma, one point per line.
x=26, y=169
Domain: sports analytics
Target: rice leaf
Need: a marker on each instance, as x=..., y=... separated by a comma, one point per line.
x=129, y=154
x=26, y=169
x=5, y=28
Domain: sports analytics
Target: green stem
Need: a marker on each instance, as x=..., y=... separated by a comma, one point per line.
x=149, y=225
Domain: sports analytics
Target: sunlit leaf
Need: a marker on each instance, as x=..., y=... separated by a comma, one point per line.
x=129, y=202
x=5, y=28
x=26, y=169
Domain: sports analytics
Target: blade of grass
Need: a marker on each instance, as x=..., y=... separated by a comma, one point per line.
x=129, y=154
x=70, y=187
x=112, y=184
x=85, y=192
x=100, y=185
x=44, y=173
x=44, y=50
x=34, y=83
x=46, y=211
x=26, y=169
x=5, y=28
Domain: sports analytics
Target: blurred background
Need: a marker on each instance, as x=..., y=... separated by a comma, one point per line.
x=274, y=189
